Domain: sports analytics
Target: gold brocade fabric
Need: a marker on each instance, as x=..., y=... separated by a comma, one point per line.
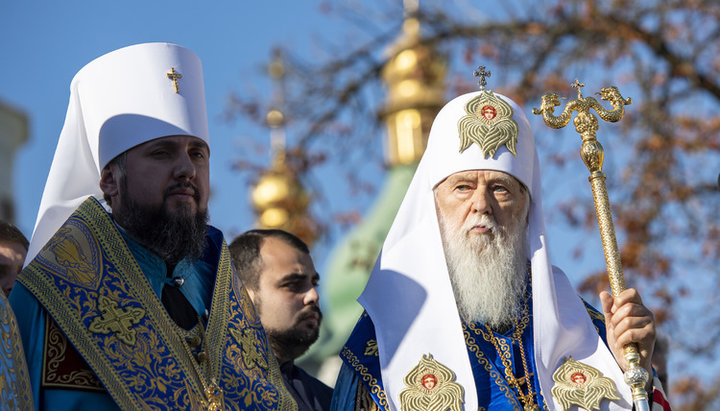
x=89, y=283
x=15, y=391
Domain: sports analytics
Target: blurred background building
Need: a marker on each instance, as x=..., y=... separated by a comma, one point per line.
x=13, y=134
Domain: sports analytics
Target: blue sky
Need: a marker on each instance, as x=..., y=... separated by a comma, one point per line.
x=43, y=45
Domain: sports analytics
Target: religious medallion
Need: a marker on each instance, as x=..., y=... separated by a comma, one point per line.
x=489, y=124
x=582, y=385
x=431, y=386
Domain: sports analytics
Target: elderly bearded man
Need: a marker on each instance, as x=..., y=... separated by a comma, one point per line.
x=138, y=309
x=464, y=295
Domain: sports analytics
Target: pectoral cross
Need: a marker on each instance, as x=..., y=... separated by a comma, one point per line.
x=174, y=76
x=481, y=74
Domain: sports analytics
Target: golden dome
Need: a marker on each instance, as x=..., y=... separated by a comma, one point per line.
x=281, y=202
x=275, y=118
x=414, y=76
x=272, y=188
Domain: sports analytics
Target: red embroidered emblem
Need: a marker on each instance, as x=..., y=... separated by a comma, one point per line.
x=578, y=378
x=429, y=381
x=489, y=112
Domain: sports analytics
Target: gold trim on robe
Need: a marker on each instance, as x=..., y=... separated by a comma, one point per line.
x=15, y=390
x=88, y=281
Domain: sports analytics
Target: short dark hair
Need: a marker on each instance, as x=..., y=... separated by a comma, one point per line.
x=10, y=233
x=120, y=160
x=245, y=252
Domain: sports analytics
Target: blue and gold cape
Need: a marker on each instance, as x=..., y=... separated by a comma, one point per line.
x=360, y=375
x=91, y=286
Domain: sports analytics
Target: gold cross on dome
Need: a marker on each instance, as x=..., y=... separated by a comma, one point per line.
x=481, y=74
x=174, y=76
x=578, y=85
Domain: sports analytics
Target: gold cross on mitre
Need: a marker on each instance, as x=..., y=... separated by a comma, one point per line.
x=481, y=74
x=174, y=76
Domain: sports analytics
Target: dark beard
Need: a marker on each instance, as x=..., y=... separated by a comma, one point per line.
x=293, y=342
x=171, y=236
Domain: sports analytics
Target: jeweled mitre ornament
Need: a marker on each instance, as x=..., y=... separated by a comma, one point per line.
x=582, y=385
x=431, y=386
x=489, y=124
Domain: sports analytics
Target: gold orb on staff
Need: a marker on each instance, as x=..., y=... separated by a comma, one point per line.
x=592, y=153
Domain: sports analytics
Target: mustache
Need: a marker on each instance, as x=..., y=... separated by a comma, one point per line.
x=311, y=311
x=483, y=219
x=181, y=186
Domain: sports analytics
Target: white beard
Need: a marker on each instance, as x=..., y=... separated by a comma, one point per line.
x=487, y=272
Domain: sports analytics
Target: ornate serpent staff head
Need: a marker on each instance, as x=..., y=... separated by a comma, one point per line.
x=585, y=122
x=592, y=154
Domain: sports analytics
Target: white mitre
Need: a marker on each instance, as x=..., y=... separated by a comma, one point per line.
x=117, y=101
x=409, y=296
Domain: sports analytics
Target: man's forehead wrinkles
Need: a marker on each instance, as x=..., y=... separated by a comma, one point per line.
x=503, y=178
x=460, y=176
x=476, y=174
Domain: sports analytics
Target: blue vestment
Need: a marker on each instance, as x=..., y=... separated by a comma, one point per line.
x=361, y=365
x=93, y=291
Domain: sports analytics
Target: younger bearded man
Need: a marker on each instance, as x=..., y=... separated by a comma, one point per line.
x=280, y=277
x=138, y=309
